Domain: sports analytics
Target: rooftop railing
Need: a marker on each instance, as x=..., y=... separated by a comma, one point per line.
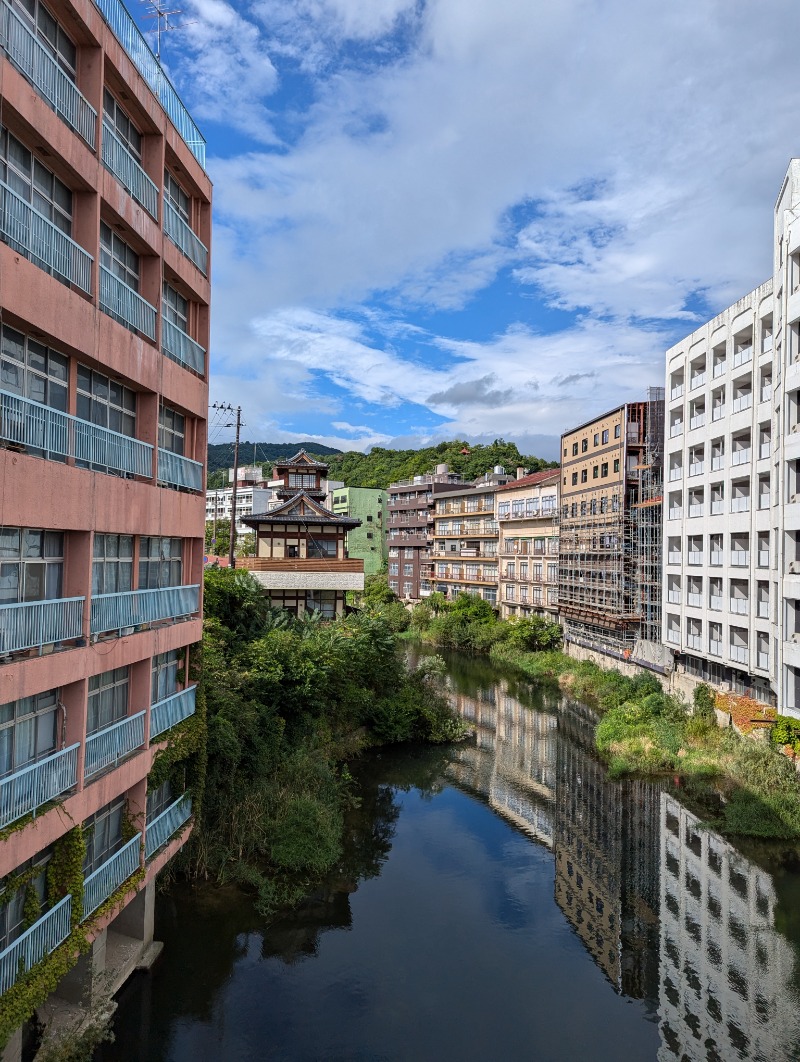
x=132, y=40
x=37, y=238
x=172, y=710
x=37, y=427
x=127, y=305
x=115, y=612
x=184, y=238
x=108, y=746
x=178, y=345
x=41, y=69
x=41, y=939
x=32, y=624
x=104, y=882
x=166, y=824
x=28, y=789
x=128, y=171
x=178, y=471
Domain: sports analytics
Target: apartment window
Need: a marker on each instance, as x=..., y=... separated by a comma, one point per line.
x=393, y=585
x=594, y=471
x=394, y=569
x=322, y=601
x=122, y=125
x=112, y=564
x=164, y=675
x=409, y=552
x=552, y=573
x=118, y=258
x=103, y=833
x=617, y=431
x=28, y=730
x=584, y=475
x=408, y=569
x=33, y=182
x=369, y=534
x=171, y=430
x=597, y=439
x=49, y=33
x=605, y=436
x=108, y=699
x=159, y=800
x=604, y=470
x=176, y=197
x=33, y=371
x=176, y=309
x=583, y=508
x=160, y=562
x=574, y=449
x=574, y=479
x=584, y=445
x=573, y=510
x=106, y=402
x=616, y=464
x=31, y=564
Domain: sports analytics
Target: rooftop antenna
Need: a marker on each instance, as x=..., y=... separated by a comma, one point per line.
x=158, y=11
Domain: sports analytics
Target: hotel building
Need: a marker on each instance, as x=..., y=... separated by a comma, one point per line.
x=105, y=224
x=527, y=515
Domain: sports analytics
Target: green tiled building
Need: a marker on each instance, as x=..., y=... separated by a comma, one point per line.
x=368, y=541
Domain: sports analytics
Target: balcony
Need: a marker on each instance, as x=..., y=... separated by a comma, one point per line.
x=697, y=380
x=165, y=825
x=134, y=608
x=740, y=654
x=695, y=600
x=105, y=881
x=172, y=710
x=32, y=624
x=696, y=509
x=716, y=557
x=715, y=603
x=119, y=161
x=674, y=597
x=719, y=368
x=715, y=647
x=177, y=471
x=739, y=605
x=673, y=557
x=697, y=421
x=717, y=462
x=675, y=512
x=740, y=504
x=182, y=348
x=717, y=506
x=36, y=427
x=126, y=305
x=740, y=457
x=717, y=413
x=694, y=641
x=742, y=402
x=675, y=473
x=742, y=356
x=33, y=235
x=676, y=392
x=676, y=429
x=696, y=468
x=28, y=789
x=43, y=937
x=184, y=238
x=108, y=746
x=740, y=558
x=674, y=636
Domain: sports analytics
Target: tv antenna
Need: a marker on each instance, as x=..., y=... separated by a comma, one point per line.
x=158, y=11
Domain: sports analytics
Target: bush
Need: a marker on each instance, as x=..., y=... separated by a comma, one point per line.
x=704, y=701
x=786, y=731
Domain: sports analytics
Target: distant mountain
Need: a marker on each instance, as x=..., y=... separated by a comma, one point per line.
x=220, y=455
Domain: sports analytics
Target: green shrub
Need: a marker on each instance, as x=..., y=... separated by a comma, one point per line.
x=704, y=701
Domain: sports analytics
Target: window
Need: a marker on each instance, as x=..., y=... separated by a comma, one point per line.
x=33, y=371
x=112, y=564
x=584, y=475
x=302, y=481
x=176, y=310
x=159, y=800
x=171, y=430
x=604, y=470
x=103, y=832
x=594, y=471
x=49, y=33
x=617, y=431
x=323, y=601
x=616, y=464
x=28, y=730
x=605, y=436
x=321, y=547
x=159, y=562
x=118, y=258
x=552, y=573
x=369, y=519
x=574, y=479
x=574, y=449
x=31, y=565
x=596, y=439
x=15, y=912
x=164, y=675
x=584, y=445
x=108, y=699
x=106, y=402
x=176, y=197
x=34, y=183
x=122, y=125
x=408, y=552
x=369, y=534
x=583, y=508
x=408, y=569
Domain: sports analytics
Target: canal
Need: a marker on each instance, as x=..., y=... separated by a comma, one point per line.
x=500, y=899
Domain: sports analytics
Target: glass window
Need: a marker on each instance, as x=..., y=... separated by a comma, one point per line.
x=604, y=469
x=35, y=183
x=49, y=33
x=176, y=310
x=171, y=430
x=605, y=436
x=103, y=832
x=160, y=562
x=118, y=258
x=574, y=478
x=31, y=564
x=112, y=564
x=28, y=730
x=108, y=699
x=13, y=913
x=584, y=445
x=108, y=404
x=596, y=438
x=164, y=675
x=321, y=547
x=574, y=449
x=303, y=481
x=323, y=601
x=159, y=800
x=176, y=197
x=122, y=125
x=617, y=430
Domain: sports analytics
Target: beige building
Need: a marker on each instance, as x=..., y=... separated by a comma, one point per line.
x=464, y=547
x=527, y=516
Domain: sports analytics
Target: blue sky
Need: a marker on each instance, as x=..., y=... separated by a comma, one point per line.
x=477, y=218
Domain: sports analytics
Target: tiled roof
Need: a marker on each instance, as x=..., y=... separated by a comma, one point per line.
x=535, y=479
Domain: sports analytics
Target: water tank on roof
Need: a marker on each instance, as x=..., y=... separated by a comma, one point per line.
x=499, y=470
x=442, y=470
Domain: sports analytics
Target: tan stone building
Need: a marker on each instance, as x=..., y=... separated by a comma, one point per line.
x=527, y=516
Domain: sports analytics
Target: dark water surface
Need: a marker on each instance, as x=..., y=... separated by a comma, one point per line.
x=496, y=900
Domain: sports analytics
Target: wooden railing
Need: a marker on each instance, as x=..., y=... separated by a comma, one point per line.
x=300, y=564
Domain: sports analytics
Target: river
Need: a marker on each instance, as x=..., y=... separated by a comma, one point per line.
x=500, y=899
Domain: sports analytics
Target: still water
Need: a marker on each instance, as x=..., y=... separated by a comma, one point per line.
x=501, y=899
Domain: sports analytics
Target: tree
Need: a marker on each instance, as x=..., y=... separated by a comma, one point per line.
x=246, y=546
x=220, y=548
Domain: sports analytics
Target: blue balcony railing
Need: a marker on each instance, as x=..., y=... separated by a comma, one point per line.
x=105, y=881
x=182, y=348
x=30, y=788
x=172, y=710
x=36, y=237
x=107, y=747
x=132, y=40
x=127, y=305
x=116, y=612
x=43, y=937
x=179, y=471
x=128, y=172
x=32, y=624
x=37, y=427
x=166, y=824
x=184, y=238
x=41, y=69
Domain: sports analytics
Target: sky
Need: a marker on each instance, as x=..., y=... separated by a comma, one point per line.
x=476, y=218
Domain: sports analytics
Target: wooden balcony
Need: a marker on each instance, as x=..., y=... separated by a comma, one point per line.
x=300, y=564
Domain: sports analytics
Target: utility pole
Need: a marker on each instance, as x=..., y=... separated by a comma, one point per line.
x=228, y=408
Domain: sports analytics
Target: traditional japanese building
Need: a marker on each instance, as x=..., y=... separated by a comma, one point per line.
x=301, y=547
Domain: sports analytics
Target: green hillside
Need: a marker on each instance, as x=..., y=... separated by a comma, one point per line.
x=220, y=455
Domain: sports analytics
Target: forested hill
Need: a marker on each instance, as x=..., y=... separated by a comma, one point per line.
x=381, y=467
x=220, y=455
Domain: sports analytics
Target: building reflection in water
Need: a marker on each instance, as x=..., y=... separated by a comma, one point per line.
x=672, y=913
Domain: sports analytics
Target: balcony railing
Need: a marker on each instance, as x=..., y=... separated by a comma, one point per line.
x=694, y=556
x=694, y=641
x=697, y=421
x=166, y=824
x=717, y=506
x=715, y=647
x=739, y=605
x=127, y=305
x=719, y=368
x=742, y=356
x=172, y=710
x=32, y=624
x=104, y=882
x=740, y=457
x=695, y=600
x=43, y=937
x=184, y=238
x=179, y=471
x=132, y=40
x=176, y=343
x=116, y=612
x=677, y=391
x=36, y=237
x=697, y=380
x=740, y=504
x=717, y=412
x=715, y=603
x=676, y=429
x=108, y=746
x=674, y=597
x=740, y=558
x=37, y=427
x=128, y=172
x=30, y=788
x=740, y=653
x=676, y=473
x=41, y=69
x=696, y=468
x=742, y=402
x=716, y=557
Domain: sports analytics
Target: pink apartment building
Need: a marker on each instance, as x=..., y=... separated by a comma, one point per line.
x=105, y=224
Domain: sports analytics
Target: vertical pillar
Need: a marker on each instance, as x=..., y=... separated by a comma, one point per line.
x=137, y=919
x=74, y=699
